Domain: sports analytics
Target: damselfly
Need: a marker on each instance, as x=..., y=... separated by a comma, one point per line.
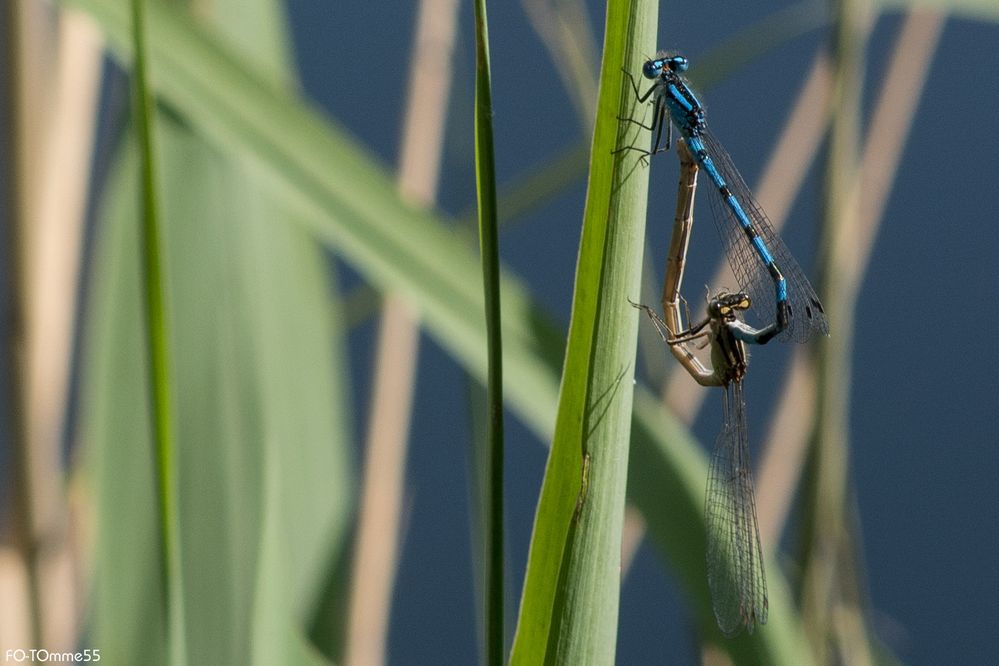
x=755, y=252
x=736, y=576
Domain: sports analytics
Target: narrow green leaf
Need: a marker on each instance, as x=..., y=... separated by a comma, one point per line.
x=157, y=340
x=485, y=181
x=568, y=612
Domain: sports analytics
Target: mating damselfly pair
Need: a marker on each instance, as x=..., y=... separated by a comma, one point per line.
x=771, y=283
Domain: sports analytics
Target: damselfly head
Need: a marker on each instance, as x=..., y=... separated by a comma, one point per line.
x=653, y=68
x=726, y=305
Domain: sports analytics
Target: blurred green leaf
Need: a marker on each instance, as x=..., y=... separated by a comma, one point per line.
x=262, y=422
x=262, y=419
x=345, y=199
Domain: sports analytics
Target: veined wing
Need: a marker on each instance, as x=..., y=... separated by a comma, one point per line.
x=807, y=315
x=735, y=560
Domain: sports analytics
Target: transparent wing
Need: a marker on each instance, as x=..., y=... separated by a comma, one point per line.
x=736, y=578
x=807, y=315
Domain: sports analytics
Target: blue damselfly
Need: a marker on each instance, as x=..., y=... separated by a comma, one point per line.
x=755, y=252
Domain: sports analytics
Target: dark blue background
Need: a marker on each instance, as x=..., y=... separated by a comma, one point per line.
x=924, y=412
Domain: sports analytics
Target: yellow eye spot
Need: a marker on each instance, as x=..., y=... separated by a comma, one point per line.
x=724, y=309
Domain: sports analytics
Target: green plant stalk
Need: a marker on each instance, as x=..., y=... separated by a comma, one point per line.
x=568, y=610
x=829, y=565
x=485, y=181
x=350, y=203
x=157, y=340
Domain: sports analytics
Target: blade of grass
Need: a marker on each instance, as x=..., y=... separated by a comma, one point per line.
x=830, y=591
x=485, y=186
x=568, y=611
x=157, y=321
x=351, y=205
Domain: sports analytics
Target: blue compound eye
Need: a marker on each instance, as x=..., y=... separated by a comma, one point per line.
x=678, y=64
x=652, y=69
